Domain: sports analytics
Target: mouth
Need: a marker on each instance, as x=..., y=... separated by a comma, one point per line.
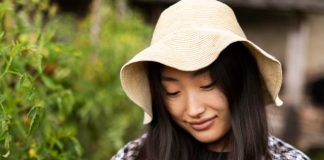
x=203, y=124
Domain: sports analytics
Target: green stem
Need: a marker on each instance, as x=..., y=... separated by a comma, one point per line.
x=15, y=73
x=20, y=128
x=7, y=67
x=3, y=110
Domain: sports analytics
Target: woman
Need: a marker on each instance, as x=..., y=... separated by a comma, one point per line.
x=203, y=87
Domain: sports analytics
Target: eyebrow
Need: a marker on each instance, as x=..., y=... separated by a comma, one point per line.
x=193, y=75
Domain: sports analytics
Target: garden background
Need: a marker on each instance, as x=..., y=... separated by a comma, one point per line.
x=60, y=94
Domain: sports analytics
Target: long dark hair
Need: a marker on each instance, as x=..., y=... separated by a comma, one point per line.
x=241, y=83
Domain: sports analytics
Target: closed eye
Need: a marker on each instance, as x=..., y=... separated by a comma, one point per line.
x=172, y=93
x=209, y=86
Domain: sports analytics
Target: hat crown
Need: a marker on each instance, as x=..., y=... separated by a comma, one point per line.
x=207, y=14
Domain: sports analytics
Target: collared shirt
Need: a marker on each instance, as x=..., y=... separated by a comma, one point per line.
x=278, y=149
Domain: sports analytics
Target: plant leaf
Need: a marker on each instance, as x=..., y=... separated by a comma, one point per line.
x=35, y=116
x=2, y=98
x=6, y=155
x=77, y=146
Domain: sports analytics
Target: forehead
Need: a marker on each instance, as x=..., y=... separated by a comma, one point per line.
x=169, y=71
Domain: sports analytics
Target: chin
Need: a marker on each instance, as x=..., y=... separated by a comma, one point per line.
x=206, y=137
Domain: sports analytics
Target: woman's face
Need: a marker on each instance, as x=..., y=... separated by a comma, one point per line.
x=196, y=105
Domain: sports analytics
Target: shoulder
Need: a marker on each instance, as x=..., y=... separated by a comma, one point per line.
x=281, y=150
x=130, y=150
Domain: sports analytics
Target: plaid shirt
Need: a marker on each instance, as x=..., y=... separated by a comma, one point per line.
x=278, y=149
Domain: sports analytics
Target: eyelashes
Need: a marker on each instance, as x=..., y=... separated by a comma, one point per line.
x=209, y=86
x=205, y=88
x=172, y=93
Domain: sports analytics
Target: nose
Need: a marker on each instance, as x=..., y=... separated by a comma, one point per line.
x=195, y=105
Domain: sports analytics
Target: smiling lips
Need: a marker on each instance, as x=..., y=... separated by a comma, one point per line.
x=202, y=125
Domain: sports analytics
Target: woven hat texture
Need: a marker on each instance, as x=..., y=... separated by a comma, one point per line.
x=189, y=36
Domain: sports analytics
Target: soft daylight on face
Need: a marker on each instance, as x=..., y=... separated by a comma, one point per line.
x=196, y=105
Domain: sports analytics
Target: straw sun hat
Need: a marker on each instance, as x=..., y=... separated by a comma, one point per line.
x=189, y=36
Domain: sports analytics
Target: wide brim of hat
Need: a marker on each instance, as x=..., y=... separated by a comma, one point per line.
x=192, y=49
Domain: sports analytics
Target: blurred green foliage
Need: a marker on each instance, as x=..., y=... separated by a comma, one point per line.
x=60, y=94
x=316, y=153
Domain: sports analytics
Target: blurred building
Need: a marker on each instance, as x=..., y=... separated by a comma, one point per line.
x=292, y=31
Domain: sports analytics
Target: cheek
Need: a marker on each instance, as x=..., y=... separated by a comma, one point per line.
x=216, y=100
x=175, y=107
x=226, y=119
x=225, y=116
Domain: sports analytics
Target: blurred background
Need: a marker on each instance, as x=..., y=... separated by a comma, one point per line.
x=60, y=95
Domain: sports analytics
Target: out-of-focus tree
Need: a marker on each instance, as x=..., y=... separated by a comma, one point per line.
x=56, y=102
